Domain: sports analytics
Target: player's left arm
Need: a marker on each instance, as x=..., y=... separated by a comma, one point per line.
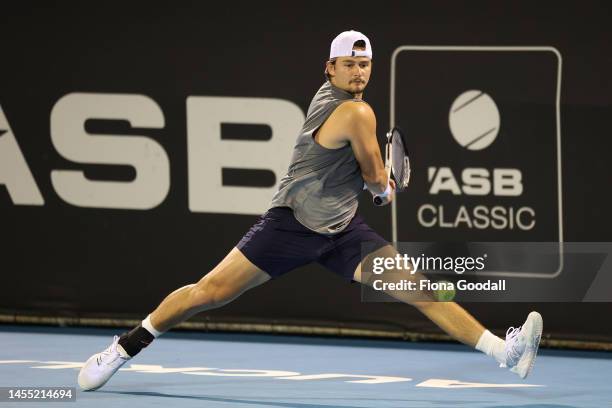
x=360, y=121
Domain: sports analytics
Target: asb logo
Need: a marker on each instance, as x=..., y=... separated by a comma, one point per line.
x=210, y=152
x=483, y=128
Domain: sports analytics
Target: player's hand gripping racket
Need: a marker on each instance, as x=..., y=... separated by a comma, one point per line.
x=397, y=163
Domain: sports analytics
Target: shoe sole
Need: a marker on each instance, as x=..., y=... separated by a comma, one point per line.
x=537, y=327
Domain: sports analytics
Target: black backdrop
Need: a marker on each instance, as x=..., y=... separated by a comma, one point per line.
x=63, y=260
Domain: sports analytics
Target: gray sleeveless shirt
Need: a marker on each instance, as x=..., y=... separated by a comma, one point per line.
x=322, y=184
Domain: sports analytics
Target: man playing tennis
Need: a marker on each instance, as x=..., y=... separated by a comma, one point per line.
x=312, y=218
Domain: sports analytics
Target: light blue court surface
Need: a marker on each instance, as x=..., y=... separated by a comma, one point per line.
x=237, y=370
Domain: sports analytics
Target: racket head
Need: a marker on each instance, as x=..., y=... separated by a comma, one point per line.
x=400, y=162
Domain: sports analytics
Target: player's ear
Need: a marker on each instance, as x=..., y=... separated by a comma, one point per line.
x=330, y=68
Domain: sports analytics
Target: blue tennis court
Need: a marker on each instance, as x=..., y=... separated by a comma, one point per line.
x=188, y=369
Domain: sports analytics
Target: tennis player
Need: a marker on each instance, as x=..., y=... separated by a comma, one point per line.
x=312, y=218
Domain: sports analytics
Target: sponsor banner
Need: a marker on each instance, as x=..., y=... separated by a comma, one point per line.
x=483, y=123
x=134, y=154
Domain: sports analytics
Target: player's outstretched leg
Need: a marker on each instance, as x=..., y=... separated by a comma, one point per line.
x=517, y=352
x=234, y=275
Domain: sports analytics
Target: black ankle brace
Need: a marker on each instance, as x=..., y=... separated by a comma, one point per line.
x=135, y=340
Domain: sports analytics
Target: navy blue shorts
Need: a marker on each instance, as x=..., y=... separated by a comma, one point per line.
x=278, y=243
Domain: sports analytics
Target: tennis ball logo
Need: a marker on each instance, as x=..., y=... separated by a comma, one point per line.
x=474, y=120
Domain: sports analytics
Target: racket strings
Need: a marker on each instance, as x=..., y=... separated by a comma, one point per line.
x=400, y=161
x=405, y=173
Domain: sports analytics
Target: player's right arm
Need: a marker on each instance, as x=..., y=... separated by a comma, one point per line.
x=359, y=119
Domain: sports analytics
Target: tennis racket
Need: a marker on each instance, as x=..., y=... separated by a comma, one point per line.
x=397, y=163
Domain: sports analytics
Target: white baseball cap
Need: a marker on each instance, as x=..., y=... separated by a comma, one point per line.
x=342, y=46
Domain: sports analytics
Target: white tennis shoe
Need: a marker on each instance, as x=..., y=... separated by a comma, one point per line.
x=522, y=345
x=100, y=367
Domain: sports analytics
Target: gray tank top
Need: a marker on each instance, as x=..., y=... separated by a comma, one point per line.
x=322, y=184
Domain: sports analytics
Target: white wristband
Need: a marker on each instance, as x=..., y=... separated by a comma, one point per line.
x=387, y=191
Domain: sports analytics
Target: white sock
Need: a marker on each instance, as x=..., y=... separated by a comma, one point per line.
x=146, y=323
x=492, y=346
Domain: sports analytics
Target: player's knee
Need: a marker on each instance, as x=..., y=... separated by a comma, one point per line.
x=211, y=292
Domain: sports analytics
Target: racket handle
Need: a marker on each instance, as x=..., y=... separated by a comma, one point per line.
x=380, y=201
